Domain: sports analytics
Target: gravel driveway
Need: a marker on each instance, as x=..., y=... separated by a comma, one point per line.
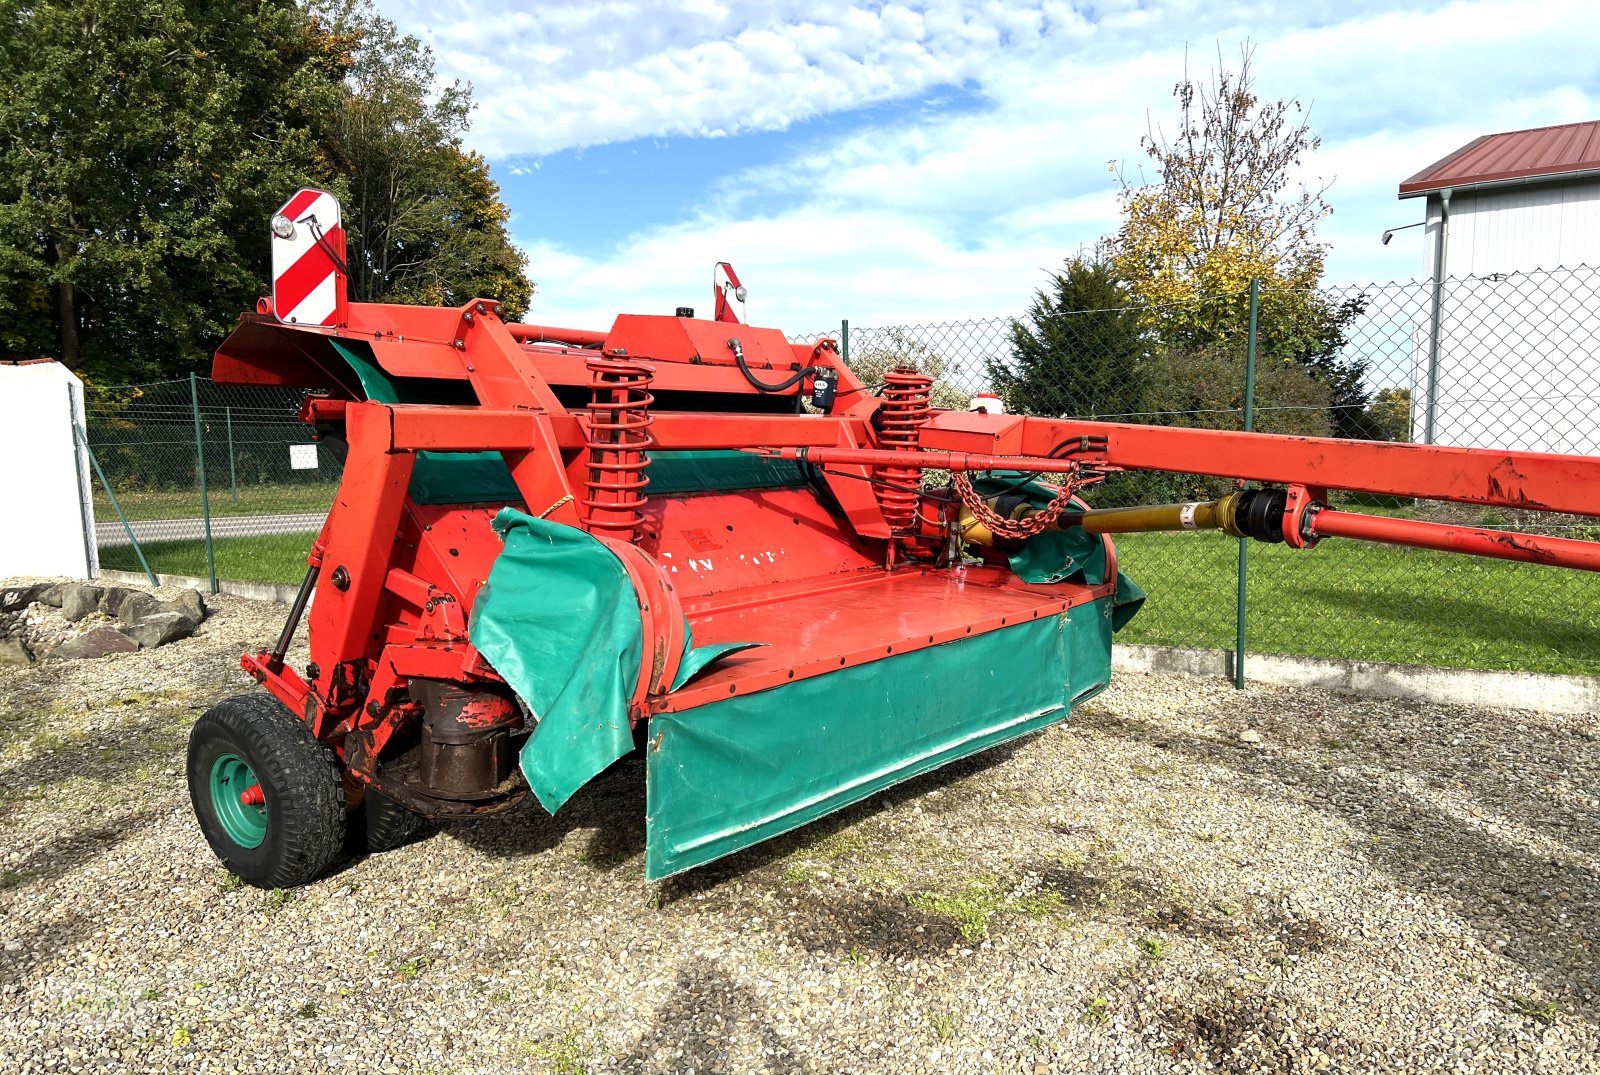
x=1373, y=886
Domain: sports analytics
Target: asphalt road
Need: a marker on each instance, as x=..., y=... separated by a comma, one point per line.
x=109, y=533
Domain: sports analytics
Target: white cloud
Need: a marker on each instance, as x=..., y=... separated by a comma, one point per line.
x=566, y=75
x=953, y=215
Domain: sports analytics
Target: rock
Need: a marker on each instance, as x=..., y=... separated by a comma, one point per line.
x=17, y=598
x=129, y=606
x=1251, y=736
x=159, y=628
x=12, y=651
x=97, y=643
x=79, y=599
x=188, y=601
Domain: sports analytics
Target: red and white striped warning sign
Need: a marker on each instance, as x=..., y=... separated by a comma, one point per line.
x=308, y=270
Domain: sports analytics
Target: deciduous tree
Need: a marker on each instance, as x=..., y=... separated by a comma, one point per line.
x=145, y=143
x=142, y=145
x=1228, y=205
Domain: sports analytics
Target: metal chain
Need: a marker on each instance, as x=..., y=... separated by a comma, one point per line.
x=1017, y=529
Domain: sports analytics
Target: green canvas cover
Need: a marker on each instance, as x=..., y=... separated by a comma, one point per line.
x=559, y=620
x=731, y=774
x=1073, y=555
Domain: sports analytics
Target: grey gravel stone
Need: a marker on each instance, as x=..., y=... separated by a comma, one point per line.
x=1378, y=886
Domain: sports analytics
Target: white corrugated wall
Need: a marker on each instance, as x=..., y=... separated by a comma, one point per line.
x=1519, y=354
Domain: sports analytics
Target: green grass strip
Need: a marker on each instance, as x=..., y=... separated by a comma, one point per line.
x=1343, y=599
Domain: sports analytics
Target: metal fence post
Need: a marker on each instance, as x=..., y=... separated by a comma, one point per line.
x=205, y=500
x=233, y=476
x=844, y=341
x=91, y=554
x=1249, y=422
x=83, y=439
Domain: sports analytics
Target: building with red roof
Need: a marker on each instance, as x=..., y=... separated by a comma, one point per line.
x=1513, y=325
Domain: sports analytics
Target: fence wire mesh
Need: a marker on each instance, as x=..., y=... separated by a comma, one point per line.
x=1507, y=361
x=1514, y=367
x=267, y=486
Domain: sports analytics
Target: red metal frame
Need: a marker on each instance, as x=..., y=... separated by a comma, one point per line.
x=825, y=580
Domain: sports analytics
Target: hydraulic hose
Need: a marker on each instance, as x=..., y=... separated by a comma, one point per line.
x=762, y=386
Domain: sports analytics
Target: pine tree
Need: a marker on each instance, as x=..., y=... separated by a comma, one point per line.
x=1077, y=352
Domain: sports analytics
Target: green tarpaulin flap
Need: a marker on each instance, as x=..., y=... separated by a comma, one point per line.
x=1062, y=555
x=731, y=774
x=439, y=477
x=718, y=471
x=559, y=619
x=696, y=658
x=1126, y=602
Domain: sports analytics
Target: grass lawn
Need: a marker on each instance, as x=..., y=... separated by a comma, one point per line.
x=1366, y=602
x=268, y=558
x=257, y=499
x=1342, y=599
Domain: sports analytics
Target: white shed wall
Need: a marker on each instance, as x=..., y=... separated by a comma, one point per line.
x=1519, y=229
x=48, y=519
x=1519, y=339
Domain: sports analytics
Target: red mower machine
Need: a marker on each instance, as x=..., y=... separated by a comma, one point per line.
x=553, y=547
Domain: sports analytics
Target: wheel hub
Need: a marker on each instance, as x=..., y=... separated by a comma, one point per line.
x=238, y=800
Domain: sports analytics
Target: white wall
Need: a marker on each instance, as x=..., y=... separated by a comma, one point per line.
x=1520, y=229
x=46, y=516
x=1519, y=339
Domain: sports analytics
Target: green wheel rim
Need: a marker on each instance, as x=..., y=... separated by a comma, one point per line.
x=231, y=777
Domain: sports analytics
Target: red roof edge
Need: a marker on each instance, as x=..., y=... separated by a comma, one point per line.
x=1540, y=153
x=1420, y=182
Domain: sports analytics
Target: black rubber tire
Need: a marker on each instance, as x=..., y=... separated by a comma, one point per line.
x=381, y=824
x=299, y=779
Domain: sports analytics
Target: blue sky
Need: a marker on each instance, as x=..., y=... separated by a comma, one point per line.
x=926, y=162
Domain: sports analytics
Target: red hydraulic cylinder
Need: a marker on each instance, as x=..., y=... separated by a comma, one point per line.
x=578, y=337
x=1501, y=544
x=881, y=457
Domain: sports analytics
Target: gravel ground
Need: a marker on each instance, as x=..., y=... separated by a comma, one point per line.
x=1370, y=886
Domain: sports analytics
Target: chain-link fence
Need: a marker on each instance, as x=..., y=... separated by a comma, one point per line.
x=207, y=478
x=1496, y=362
x=1509, y=361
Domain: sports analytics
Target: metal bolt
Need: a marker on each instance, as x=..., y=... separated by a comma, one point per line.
x=341, y=578
x=461, y=345
x=481, y=308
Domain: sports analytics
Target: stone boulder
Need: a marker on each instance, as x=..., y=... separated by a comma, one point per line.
x=100, y=642
x=159, y=628
x=139, y=619
x=17, y=598
x=80, y=599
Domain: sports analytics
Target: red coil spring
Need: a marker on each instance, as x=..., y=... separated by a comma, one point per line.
x=619, y=435
x=904, y=413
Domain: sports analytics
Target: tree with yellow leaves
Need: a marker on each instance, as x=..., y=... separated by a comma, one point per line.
x=1227, y=206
